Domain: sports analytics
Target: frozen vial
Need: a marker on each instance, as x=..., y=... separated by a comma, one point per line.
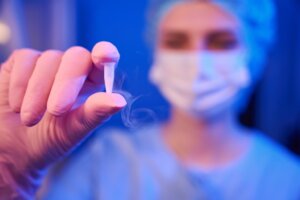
x=109, y=76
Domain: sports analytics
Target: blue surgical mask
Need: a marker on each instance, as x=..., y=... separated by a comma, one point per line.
x=199, y=82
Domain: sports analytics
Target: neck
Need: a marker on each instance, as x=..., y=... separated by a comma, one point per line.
x=201, y=140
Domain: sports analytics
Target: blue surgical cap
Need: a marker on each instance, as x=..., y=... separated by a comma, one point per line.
x=256, y=17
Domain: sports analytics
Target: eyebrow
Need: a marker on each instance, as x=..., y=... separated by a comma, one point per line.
x=212, y=32
x=222, y=33
x=175, y=34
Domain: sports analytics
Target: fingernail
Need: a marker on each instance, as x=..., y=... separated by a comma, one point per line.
x=118, y=100
x=29, y=118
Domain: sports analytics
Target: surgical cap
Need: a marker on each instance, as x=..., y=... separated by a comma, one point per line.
x=256, y=17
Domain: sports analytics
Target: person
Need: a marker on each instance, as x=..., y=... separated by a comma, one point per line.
x=201, y=66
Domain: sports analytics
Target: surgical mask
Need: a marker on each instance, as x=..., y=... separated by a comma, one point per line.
x=200, y=83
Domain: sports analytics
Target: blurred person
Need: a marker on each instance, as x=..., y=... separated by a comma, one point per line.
x=206, y=55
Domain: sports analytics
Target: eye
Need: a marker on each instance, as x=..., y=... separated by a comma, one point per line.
x=175, y=41
x=221, y=40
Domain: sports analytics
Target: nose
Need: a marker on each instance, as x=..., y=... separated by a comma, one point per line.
x=196, y=44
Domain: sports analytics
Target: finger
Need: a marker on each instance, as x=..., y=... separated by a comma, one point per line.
x=5, y=72
x=92, y=113
x=76, y=125
x=75, y=66
x=24, y=61
x=39, y=87
x=103, y=52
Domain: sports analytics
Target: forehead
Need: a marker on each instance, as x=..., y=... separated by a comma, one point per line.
x=199, y=17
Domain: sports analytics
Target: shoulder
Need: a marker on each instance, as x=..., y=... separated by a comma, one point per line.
x=275, y=160
x=272, y=150
x=275, y=168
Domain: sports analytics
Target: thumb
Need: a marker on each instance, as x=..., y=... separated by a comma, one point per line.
x=95, y=111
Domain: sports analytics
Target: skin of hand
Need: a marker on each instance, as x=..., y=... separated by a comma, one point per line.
x=49, y=103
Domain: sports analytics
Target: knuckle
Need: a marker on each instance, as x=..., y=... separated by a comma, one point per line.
x=77, y=56
x=57, y=109
x=52, y=53
x=78, y=50
x=26, y=52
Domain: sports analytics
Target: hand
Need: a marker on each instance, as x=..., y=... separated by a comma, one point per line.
x=49, y=102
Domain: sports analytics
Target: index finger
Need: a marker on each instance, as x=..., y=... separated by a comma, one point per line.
x=74, y=68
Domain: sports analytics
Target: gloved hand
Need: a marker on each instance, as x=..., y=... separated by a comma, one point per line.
x=49, y=102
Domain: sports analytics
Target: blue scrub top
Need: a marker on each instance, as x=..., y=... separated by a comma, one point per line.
x=118, y=165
